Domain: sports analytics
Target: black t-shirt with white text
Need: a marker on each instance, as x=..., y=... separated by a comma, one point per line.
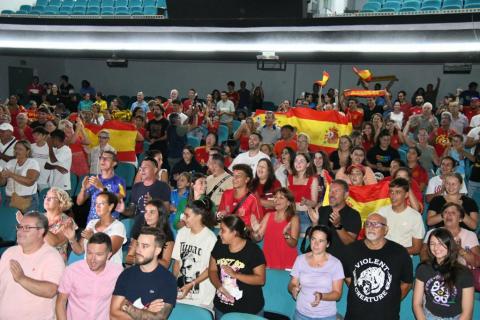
x=377, y=155
x=247, y=298
x=374, y=292
x=141, y=288
x=439, y=300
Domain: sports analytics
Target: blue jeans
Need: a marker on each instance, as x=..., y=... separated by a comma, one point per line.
x=299, y=316
x=430, y=316
x=219, y=314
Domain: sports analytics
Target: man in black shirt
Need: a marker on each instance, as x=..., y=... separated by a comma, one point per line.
x=378, y=272
x=157, y=131
x=342, y=219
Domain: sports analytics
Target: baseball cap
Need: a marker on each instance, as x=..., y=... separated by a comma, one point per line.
x=6, y=127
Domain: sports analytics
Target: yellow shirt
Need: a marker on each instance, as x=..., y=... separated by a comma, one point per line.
x=103, y=105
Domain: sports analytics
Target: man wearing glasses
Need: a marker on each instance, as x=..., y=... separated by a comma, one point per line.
x=103, y=145
x=379, y=274
x=30, y=273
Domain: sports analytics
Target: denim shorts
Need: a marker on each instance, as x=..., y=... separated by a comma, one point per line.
x=299, y=316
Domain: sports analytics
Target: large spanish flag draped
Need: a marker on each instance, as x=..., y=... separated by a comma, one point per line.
x=122, y=138
x=366, y=199
x=324, y=127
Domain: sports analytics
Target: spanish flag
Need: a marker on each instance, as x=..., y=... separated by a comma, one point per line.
x=323, y=82
x=122, y=138
x=365, y=75
x=366, y=199
x=364, y=93
x=324, y=127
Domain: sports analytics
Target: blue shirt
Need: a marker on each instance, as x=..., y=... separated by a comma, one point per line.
x=112, y=185
x=142, y=105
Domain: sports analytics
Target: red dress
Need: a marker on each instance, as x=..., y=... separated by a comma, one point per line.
x=260, y=193
x=244, y=142
x=300, y=191
x=278, y=253
x=201, y=154
x=79, y=158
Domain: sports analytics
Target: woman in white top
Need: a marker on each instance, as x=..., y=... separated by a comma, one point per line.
x=191, y=252
x=21, y=175
x=105, y=203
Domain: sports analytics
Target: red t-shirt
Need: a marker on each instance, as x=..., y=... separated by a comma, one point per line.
x=415, y=110
x=440, y=139
x=150, y=116
x=201, y=154
x=27, y=131
x=139, y=144
x=419, y=174
x=186, y=105
x=168, y=107
x=251, y=206
x=233, y=96
x=260, y=193
x=405, y=107
x=213, y=127
x=395, y=141
x=356, y=117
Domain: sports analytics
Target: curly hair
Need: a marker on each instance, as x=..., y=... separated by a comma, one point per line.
x=63, y=198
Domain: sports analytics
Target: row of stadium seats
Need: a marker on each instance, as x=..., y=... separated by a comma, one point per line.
x=92, y=7
x=418, y=5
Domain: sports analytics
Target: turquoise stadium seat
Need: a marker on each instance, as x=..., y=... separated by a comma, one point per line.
x=161, y=3
x=68, y=3
x=235, y=125
x=150, y=11
x=57, y=3
x=8, y=12
x=107, y=3
x=93, y=11
x=108, y=11
x=391, y=7
x=149, y=3
x=184, y=311
x=22, y=12
x=222, y=134
x=73, y=257
x=79, y=11
x=135, y=3
x=81, y=3
x=9, y=221
x=127, y=171
x=42, y=3
x=452, y=4
x=193, y=141
x=241, y=316
x=41, y=198
x=136, y=11
x=409, y=5
x=121, y=3
x=94, y=3
x=472, y=6
x=25, y=8
x=431, y=5
x=371, y=7
x=65, y=11
x=128, y=224
x=471, y=2
x=51, y=10
x=403, y=155
x=277, y=298
x=376, y=1
x=73, y=183
x=3, y=195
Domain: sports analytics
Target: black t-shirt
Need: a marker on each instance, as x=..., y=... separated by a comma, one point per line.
x=439, y=300
x=159, y=190
x=468, y=204
x=349, y=219
x=368, y=114
x=157, y=128
x=335, y=159
x=182, y=166
x=248, y=298
x=377, y=155
x=141, y=288
x=374, y=292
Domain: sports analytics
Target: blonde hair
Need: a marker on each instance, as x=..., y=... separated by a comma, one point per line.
x=64, y=123
x=63, y=198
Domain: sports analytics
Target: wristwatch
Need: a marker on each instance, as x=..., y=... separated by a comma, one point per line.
x=339, y=227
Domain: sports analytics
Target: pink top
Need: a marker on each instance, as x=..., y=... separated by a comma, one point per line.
x=278, y=253
x=89, y=294
x=46, y=264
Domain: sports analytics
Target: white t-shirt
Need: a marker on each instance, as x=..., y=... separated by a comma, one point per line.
x=9, y=151
x=226, y=106
x=64, y=159
x=192, y=251
x=20, y=189
x=115, y=229
x=435, y=184
x=475, y=122
x=40, y=154
x=245, y=158
x=398, y=118
x=474, y=134
x=403, y=226
x=468, y=240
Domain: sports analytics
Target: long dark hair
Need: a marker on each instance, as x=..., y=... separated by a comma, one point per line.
x=292, y=154
x=449, y=268
x=163, y=213
x=204, y=208
x=270, y=177
x=311, y=170
x=234, y=223
x=194, y=177
x=291, y=199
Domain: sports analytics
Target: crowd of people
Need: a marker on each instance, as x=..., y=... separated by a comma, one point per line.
x=261, y=192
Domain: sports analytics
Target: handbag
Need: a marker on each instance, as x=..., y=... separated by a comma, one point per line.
x=22, y=203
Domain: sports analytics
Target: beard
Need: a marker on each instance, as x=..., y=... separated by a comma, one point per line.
x=141, y=260
x=371, y=236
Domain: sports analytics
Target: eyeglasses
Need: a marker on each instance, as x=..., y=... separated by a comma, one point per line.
x=103, y=137
x=26, y=228
x=374, y=224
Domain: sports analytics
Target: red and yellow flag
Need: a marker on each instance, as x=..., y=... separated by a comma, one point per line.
x=122, y=138
x=366, y=199
x=363, y=93
x=325, y=77
x=365, y=75
x=324, y=127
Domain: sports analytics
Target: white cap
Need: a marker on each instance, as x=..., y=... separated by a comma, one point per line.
x=6, y=126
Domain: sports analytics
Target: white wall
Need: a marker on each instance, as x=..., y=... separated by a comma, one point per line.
x=158, y=77
x=14, y=4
